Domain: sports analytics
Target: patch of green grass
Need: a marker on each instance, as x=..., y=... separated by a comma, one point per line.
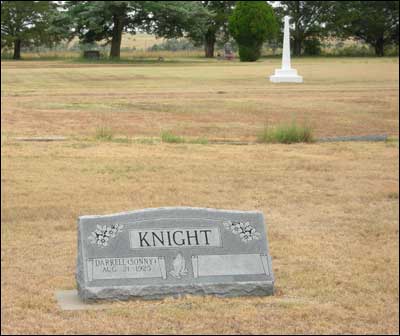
x=81, y=145
x=286, y=134
x=199, y=141
x=392, y=142
x=146, y=141
x=171, y=138
x=104, y=133
x=122, y=140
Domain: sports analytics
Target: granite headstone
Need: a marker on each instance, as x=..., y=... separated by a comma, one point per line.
x=153, y=253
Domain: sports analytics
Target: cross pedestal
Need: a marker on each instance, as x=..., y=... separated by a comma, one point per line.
x=286, y=74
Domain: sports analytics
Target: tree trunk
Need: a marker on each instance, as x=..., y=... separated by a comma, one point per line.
x=379, y=44
x=209, y=43
x=115, y=51
x=17, y=49
x=297, y=47
x=297, y=40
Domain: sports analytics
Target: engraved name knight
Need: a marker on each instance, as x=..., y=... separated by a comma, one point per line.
x=175, y=238
x=153, y=253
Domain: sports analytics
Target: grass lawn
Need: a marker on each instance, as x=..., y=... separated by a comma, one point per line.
x=331, y=208
x=215, y=99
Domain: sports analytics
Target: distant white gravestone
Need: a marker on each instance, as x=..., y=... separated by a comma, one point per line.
x=153, y=253
x=286, y=74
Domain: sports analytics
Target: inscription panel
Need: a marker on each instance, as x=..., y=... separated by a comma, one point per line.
x=229, y=264
x=126, y=268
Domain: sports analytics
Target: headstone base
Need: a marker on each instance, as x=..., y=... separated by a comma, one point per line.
x=250, y=288
x=286, y=76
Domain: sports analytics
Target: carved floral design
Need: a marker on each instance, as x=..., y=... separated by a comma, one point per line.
x=245, y=231
x=179, y=267
x=104, y=233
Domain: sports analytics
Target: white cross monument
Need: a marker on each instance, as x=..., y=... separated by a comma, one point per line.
x=286, y=74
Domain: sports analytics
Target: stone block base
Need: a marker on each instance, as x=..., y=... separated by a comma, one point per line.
x=233, y=289
x=286, y=76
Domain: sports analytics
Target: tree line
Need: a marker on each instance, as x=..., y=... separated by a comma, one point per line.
x=250, y=23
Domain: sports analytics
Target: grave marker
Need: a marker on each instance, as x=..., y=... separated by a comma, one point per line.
x=153, y=253
x=286, y=74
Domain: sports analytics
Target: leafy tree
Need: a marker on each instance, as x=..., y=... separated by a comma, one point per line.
x=309, y=18
x=107, y=20
x=251, y=24
x=216, y=24
x=374, y=22
x=24, y=23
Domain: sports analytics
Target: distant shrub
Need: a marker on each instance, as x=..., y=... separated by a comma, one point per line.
x=171, y=138
x=312, y=47
x=354, y=51
x=286, y=133
x=128, y=48
x=249, y=53
x=173, y=45
x=356, y=48
x=392, y=50
x=6, y=55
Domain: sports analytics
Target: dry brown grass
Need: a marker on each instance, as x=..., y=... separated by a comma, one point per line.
x=216, y=99
x=331, y=210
